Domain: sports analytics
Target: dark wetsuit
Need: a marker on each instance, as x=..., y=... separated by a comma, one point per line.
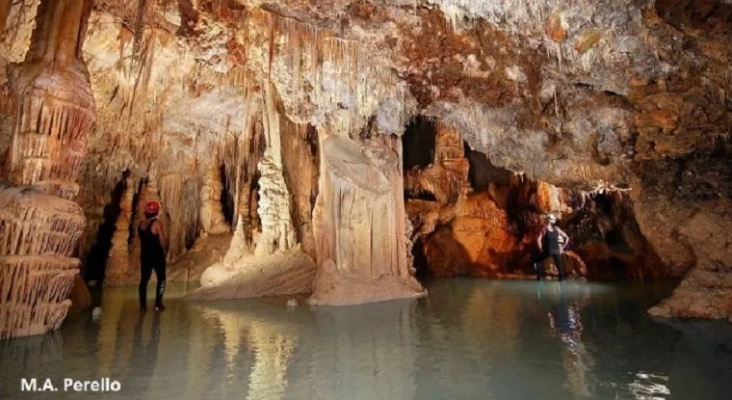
x=550, y=247
x=152, y=257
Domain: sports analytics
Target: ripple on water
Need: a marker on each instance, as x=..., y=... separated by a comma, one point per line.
x=469, y=339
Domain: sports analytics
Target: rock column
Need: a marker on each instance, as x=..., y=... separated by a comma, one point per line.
x=212, y=213
x=40, y=225
x=117, y=270
x=360, y=224
x=278, y=234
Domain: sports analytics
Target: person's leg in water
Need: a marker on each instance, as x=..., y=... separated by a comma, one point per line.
x=560, y=266
x=160, y=287
x=145, y=272
x=537, y=264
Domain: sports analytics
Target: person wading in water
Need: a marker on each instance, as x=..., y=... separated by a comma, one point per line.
x=552, y=242
x=152, y=256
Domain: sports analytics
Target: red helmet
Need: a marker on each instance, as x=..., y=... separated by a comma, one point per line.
x=152, y=207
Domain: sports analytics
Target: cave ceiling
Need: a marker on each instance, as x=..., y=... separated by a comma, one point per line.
x=572, y=92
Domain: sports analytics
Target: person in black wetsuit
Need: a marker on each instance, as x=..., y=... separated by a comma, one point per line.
x=152, y=256
x=552, y=242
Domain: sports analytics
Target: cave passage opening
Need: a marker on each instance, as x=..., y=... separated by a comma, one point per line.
x=226, y=197
x=419, y=142
x=481, y=172
x=96, y=258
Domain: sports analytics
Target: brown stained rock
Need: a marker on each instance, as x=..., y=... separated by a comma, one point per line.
x=447, y=177
x=4, y=13
x=587, y=40
x=79, y=295
x=472, y=245
x=665, y=120
x=555, y=29
x=335, y=287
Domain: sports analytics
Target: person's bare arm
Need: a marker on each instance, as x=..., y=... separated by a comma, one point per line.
x=158, y=229
x=540, y=239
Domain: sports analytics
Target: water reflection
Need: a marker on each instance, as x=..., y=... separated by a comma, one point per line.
x=565, y=323
x=468, y=340
x=144, y=354
x=331, y=353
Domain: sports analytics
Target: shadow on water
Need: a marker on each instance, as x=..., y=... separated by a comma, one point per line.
x=469, y=339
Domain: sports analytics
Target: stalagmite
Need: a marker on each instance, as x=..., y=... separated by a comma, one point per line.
x=278, y=234
x=55, y=111
x=277, y=265
x=212, y=214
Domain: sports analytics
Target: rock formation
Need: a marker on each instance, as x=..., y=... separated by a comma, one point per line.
x=54, y=113
x=117, y=271
x=212, y=213
x=360, y=222
x=615, y=114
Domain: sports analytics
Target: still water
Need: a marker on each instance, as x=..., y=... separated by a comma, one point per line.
x=470, y=339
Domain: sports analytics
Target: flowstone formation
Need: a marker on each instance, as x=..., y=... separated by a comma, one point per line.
x=360, y=219
x=40, y=224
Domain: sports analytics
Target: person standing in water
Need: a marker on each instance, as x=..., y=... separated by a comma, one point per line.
x=552, y=242
x=152, y=255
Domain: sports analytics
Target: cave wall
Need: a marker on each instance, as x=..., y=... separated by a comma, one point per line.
x=472, y=218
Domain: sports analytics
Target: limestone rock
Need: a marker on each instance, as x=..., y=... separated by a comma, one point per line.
x=55, y=112
x=360, y=223
x=38, y=236
x=118, y=270
x=282, y=273
x=212, y=214
x=574, y=94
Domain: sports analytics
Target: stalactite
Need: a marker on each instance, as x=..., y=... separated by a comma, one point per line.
x=55, y=112
x=141, y=4
x=337, y=68
x=180, y=199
